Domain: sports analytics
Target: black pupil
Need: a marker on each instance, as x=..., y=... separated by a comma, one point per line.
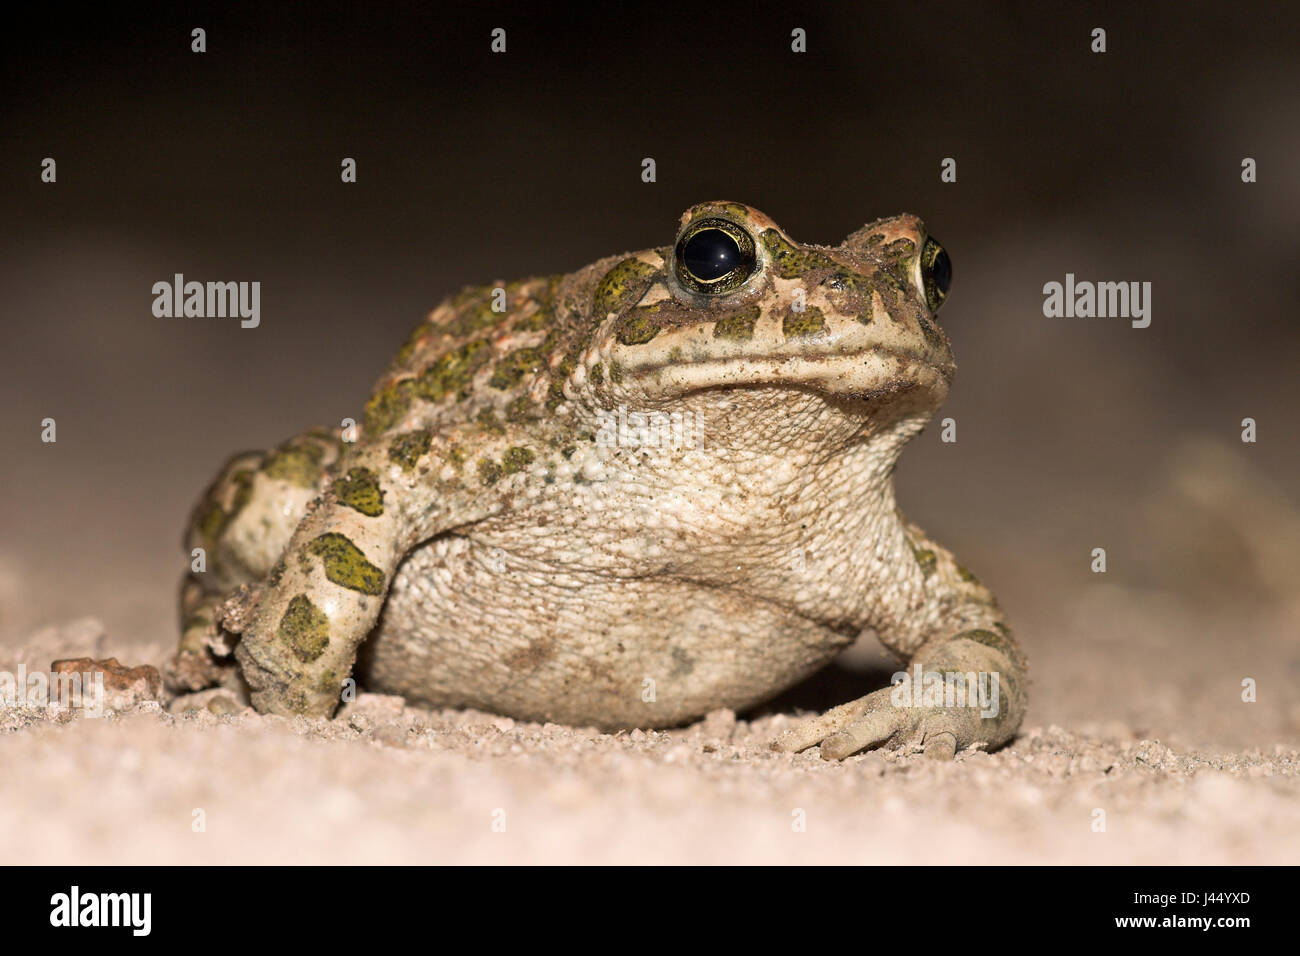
x=941, y=272
x=710, y=254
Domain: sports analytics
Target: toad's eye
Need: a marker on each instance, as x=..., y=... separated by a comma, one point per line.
x=714, y=256
x=936, y=273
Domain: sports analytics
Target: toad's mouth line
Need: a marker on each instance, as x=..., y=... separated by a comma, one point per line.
x=880, y=369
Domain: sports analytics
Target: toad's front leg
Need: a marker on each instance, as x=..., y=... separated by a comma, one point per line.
x=320, y=601
x=965, y=683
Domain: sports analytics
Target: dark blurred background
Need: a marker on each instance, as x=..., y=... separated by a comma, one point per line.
x=1072, y=433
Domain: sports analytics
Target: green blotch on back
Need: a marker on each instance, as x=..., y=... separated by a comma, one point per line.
x=407, y=449
x=346, y=565
x=798, y=325
x=521, y=409
x=474, y=307
x=791, y=262
x=621, y=286
x=489, y=472
x=359, y=489
x=967, y=575
x=388, y=406
x=539, y=320
x=297, y=462
x=597, y=373
x=452, y=372
x=513, y=366
x=926, y=559
x=516, y=459
x=305, y=628
x=737, y=326
x=487, y=421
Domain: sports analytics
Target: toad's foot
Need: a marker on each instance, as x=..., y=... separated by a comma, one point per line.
x=875, y=719
x=969, y=692
x=204, y=658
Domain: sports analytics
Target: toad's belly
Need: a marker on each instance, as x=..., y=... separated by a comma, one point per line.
x=468, y=626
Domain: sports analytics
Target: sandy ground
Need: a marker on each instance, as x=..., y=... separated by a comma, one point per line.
x=386, y=783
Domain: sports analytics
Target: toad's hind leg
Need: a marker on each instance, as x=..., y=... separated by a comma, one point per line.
x=235, y=535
